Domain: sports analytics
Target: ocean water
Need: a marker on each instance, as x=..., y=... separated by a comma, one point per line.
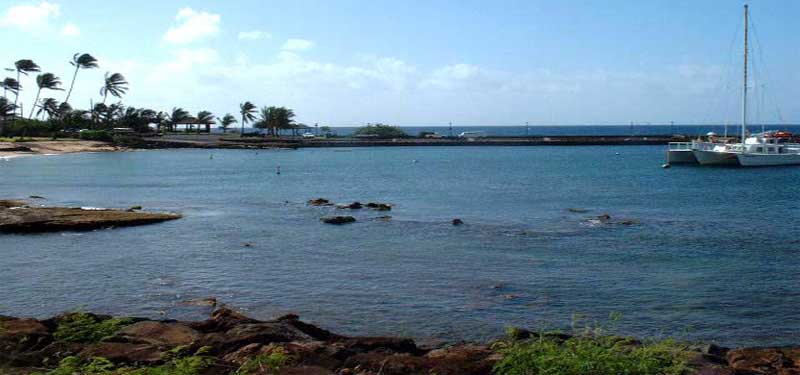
x=714, y=255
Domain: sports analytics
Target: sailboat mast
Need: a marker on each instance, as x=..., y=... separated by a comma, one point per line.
x=744, y=83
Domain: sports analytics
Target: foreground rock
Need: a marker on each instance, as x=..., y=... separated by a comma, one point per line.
x=16, y=217
x=231, y=343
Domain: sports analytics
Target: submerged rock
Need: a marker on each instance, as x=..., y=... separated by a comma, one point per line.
x=379, y=206
x=457, y=222
x=578, y=210
x=17, y=218
x=350, y=206
x=319, y=202
x=338, y=220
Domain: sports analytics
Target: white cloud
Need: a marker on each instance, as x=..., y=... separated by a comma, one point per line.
x=254, y=35
x=70, y=30
x=192, y=26
x=30, y=17
x=297, y=45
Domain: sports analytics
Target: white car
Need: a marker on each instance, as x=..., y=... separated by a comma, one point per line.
x=309, y=135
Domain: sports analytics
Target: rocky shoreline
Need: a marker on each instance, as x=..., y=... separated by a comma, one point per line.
x=231, y=343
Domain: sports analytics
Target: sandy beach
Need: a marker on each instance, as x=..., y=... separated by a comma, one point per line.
x=10, y=150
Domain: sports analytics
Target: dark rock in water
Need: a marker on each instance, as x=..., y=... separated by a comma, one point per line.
x=629, y=222
x=379, y=206
x=36, y=197
x=134, y=208
x=457, y=222
x=578, y=210
x=355, y=206
x=247, y=244
x=383, y=218
x=338, y=220
x=18, y=219
x=604, y=217
x=319, y=202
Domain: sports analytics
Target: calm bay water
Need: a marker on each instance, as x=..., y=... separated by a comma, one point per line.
x=715, y=256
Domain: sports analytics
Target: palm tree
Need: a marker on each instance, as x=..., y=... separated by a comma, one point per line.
x=266, y=119
x=49, y=106
x=247, y=110
x=115, y=84
x=178, y=115
x=23, y=66
x=10, y=84
x=226, y=121
x=45, y=81
x=7, y=110
x=205, y=118
x=84, y=61
x=64, y=109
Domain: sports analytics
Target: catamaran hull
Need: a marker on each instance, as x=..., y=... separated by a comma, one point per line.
x=761, y=160
x=715, y=157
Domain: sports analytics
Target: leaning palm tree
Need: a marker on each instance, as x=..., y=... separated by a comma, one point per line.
x=247, y=110
x=49, y=106
x=226, y=121
x=204, y=117
x=10, y=84
x=84, y=61
x=24, y=66
x=115, y=84
x=45, y=81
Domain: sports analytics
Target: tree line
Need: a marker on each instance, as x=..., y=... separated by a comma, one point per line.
x=50, y=115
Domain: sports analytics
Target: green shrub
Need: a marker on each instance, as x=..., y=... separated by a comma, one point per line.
x=191, y=365
x=28, y=128
x=591, y=355
x=86, y=328
x=269, y=363
x=74, y=365
x=380, y=131
x=96, y=135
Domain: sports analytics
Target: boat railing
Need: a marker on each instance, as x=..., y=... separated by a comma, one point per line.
x=677, y=146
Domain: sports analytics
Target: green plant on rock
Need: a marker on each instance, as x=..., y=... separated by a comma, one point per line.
x=86, y=328
x=591, y=355
x=74, y=365
x=266, y=363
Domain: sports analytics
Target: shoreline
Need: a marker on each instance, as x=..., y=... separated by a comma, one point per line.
x=12, y=150
x=229, y=342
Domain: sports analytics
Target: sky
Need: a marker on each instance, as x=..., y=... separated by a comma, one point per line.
x=422, y=62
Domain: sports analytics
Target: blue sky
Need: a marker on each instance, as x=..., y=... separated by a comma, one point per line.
x=422, y=62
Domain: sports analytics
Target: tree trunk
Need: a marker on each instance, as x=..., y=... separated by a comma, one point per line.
x=72, y=85
x=16, y=95
x=33, y=107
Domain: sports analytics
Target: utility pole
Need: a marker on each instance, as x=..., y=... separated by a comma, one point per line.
x=451, y=129
x=526, y=128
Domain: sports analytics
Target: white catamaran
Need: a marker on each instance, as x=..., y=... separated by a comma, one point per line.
x=765, y=149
